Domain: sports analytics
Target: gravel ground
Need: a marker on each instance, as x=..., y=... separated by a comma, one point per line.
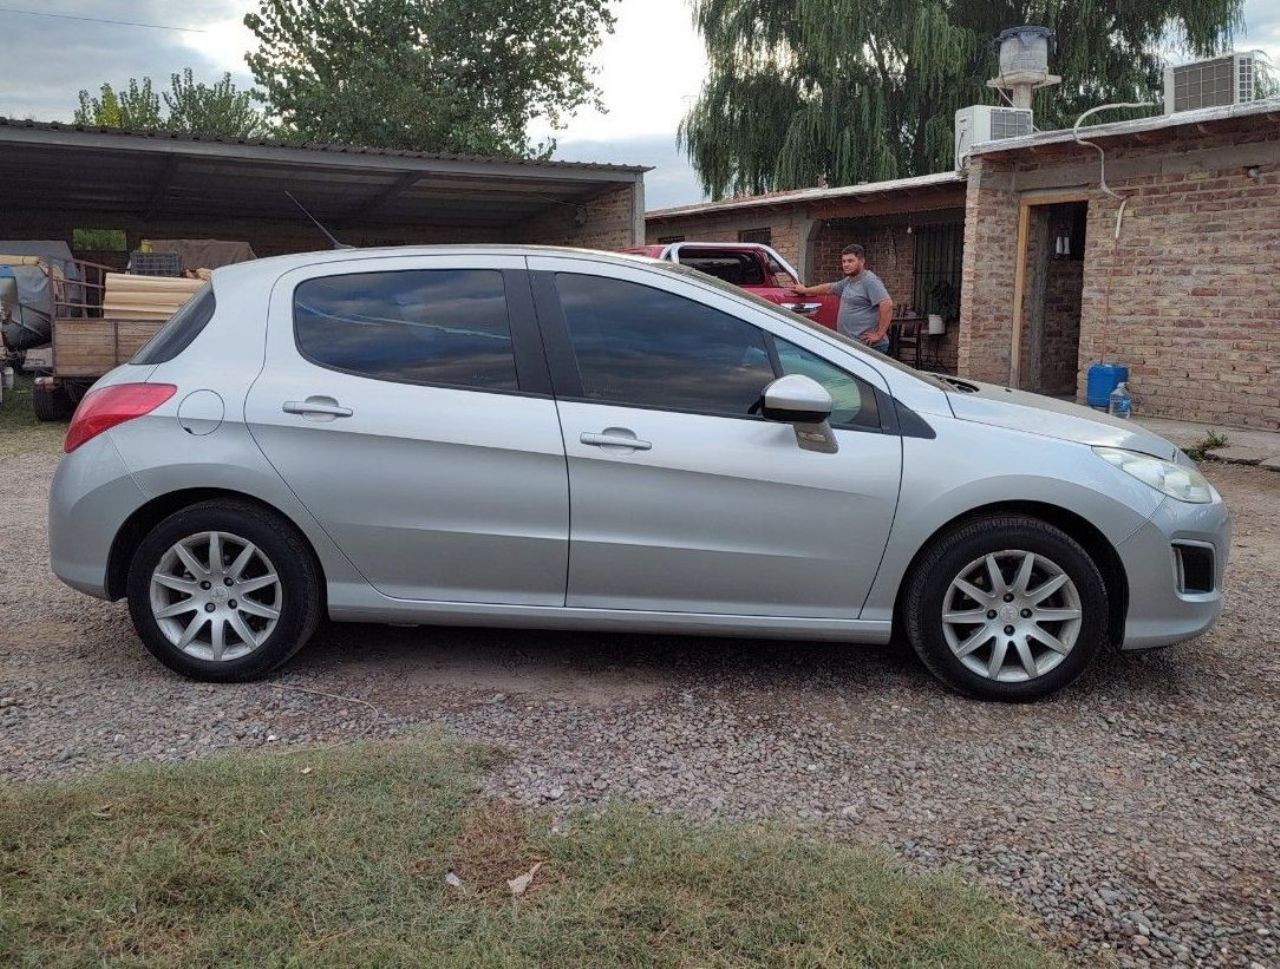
x=1136, y=816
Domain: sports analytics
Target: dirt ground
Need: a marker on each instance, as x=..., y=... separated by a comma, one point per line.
x=1136, y=816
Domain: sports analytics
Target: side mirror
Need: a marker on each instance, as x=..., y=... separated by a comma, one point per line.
x=796, y=399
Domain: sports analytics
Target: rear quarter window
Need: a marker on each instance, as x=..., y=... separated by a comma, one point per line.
x=183, y=327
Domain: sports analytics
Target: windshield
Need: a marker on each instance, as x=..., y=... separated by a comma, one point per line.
x=808, y=324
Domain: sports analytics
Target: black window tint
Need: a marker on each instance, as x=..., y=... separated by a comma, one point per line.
x=853, y=399
x=434, y=326
x=735, y=268
x=640, y=346
x=183, y=327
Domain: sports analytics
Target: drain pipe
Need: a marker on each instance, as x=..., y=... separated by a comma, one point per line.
x=1102, y=155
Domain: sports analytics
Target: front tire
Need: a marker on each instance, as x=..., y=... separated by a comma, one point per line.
x=1006, y=607
x=224, y=591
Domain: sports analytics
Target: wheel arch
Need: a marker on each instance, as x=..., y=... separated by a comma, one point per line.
x=1080, y=529
x=147, y=516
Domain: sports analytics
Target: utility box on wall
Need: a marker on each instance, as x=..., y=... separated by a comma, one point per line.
x=1216, y=82
x=985, y=122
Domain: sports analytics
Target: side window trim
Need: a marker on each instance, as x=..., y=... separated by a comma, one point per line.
x=532, y=373
x=562, y=364
x=532, y=376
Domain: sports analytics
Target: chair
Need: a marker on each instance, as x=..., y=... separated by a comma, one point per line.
x=905, y=335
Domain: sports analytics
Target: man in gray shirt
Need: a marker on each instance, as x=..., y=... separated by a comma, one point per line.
x=865, y=307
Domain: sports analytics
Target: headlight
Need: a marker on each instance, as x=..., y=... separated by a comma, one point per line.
x=1184, y=484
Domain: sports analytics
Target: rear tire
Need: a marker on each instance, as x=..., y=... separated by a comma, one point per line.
x=1006, y=638
x=52, y=405
x=224, y=591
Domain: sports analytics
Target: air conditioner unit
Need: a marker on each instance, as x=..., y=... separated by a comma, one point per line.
x=984, y=122
x=1218, y=81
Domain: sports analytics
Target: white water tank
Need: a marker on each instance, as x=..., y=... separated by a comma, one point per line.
x=1024, y=52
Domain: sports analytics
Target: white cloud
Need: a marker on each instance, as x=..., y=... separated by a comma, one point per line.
x=651, y=69
x=225, y=39
x=1262, y=28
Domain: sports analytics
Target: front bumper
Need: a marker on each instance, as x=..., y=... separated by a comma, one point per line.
x=1160, y=612
x=92, y=495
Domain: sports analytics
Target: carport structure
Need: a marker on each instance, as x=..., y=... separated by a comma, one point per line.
x=55, y=178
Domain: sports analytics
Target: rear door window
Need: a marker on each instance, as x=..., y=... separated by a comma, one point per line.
x=445, y=327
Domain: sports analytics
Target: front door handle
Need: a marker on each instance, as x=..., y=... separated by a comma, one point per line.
x=619, y=437
x=317, y=408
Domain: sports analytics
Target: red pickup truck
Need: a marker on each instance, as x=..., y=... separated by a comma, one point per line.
x=755, y=267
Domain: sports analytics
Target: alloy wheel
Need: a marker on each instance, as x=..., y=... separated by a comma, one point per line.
x=1011, y=616
x=216, y=596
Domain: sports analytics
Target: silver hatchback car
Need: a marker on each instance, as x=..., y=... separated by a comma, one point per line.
x=568, y=439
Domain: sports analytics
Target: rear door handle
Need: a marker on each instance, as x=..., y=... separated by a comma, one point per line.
x=619, y=437
x=321, y=408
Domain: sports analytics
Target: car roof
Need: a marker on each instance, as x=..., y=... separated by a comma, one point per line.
x=281, y=264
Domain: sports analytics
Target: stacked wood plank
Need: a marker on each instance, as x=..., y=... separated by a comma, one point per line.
x=128, y=297
x=133, y=308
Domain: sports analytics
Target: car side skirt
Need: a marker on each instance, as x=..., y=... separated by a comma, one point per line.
x=358, y=608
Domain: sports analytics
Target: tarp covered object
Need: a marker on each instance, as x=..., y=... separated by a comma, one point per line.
x=204, y=253
x=27, y=321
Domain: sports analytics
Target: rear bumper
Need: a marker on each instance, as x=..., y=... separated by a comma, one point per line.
x=1160, y=612
x=92, y=495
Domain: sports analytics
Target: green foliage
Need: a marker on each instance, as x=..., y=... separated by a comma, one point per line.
x=337, y=857
x=463, y=76
x=190, y=107
x=135, y=106
x=855, y=90
x=103, y=240
x=212, y=108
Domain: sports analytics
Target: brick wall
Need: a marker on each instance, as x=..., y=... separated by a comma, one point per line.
x=891, y=255
x=610, y=223
x=986, y=287
x=1188, y=297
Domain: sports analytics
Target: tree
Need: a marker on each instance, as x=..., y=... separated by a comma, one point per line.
x=853, y=90
x=212, y=108
x=192, y=108
x=463, y=76
x=135, y=106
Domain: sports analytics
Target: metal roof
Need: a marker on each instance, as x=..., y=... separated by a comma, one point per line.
x=915, y=183
x=1119, y=129
x=48, y=165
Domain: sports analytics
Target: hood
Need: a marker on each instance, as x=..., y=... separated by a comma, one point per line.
x=1018, y=410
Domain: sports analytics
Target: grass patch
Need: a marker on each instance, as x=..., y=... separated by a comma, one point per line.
x=1201, y=450
x=20, y=432
x=338, y=857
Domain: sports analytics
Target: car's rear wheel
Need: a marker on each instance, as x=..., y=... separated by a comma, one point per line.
x=1006, y=607
x=223, y=591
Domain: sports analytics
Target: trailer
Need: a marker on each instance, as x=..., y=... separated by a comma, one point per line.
x=94, y=325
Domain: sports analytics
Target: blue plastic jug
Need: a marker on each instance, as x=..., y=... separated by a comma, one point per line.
x=1104, y=378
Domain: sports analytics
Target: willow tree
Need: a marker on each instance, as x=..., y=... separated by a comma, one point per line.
x=849, y=90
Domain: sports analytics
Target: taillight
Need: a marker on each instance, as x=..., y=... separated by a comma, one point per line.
x=103, y=409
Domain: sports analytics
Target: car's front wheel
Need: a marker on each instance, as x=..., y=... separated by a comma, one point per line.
x=223, y=591
x=1006, y=607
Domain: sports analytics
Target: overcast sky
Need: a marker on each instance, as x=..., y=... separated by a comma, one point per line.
x=650, y=69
